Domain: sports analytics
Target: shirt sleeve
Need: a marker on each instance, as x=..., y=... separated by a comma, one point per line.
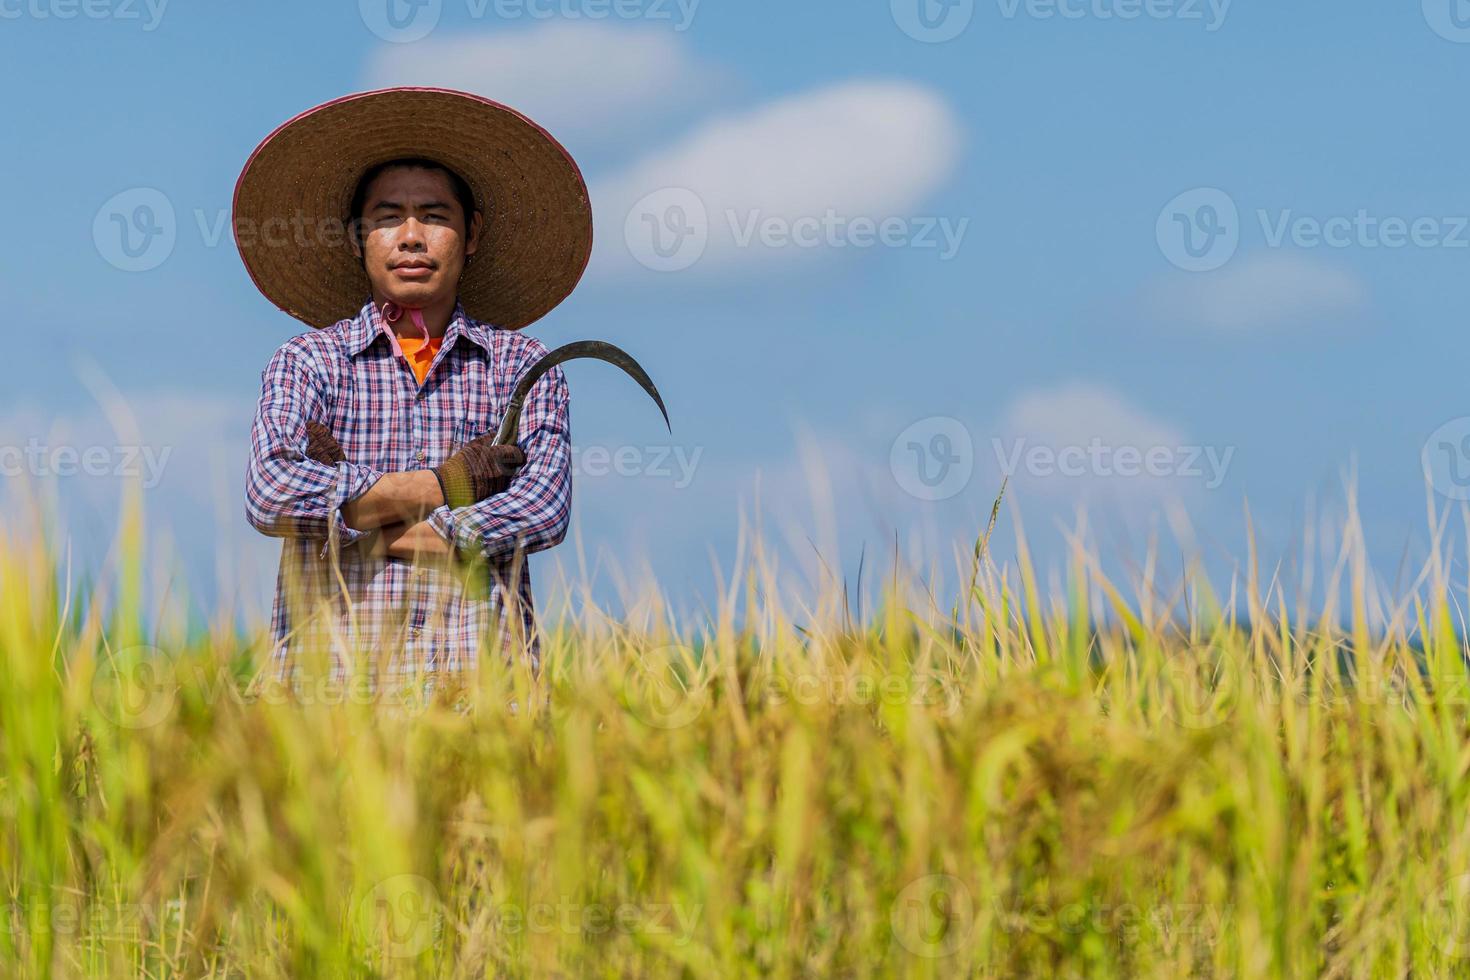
x=288, y=494
x=534, y=513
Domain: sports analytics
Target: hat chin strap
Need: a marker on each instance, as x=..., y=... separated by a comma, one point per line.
x=392, y=312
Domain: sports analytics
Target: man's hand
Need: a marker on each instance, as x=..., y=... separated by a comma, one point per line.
x=322, y=446
x=481, y=469
x=407, y=542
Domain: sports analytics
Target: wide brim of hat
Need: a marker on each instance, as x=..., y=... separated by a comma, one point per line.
x=293, y=199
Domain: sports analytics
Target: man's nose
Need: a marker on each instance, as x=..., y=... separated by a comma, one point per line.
x=411, y=235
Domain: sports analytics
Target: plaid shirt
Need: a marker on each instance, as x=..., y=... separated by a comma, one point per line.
x=407, y=618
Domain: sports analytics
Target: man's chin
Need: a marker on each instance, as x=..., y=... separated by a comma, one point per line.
x=411, y=294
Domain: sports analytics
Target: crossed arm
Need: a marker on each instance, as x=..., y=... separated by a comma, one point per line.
x=403, y=514
x=397, y=507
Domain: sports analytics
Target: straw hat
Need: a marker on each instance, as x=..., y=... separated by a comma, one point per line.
x=293, y=198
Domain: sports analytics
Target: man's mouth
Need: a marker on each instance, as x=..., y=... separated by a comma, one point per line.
x=414, y=269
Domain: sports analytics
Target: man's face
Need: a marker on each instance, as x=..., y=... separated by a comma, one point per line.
x=414, y=237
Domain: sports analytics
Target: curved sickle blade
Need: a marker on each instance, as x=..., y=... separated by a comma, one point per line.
x=598, y=349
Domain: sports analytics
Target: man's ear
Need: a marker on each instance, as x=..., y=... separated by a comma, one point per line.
x=472, y=234
x=354, y=241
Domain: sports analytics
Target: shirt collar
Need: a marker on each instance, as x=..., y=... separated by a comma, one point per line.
x=369, y=325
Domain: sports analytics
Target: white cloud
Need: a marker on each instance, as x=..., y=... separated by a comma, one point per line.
x=855, y=153
x=1077, y=412
x=1260, y=292
x=585, y=82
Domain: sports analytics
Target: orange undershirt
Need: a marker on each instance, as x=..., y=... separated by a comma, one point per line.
x=420, y=355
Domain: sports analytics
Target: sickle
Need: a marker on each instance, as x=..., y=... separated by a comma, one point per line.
x=506, y=434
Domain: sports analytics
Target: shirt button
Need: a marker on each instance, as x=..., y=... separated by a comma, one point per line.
x=420, y=456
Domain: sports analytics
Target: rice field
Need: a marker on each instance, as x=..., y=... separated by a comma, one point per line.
x=1104, y=778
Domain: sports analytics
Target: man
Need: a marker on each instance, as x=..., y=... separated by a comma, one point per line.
x=406, y=531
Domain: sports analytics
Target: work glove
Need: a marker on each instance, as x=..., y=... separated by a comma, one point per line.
x=481, y=469
x=322, y=446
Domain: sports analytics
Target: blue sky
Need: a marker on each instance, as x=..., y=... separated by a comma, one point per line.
x=1064, y=147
